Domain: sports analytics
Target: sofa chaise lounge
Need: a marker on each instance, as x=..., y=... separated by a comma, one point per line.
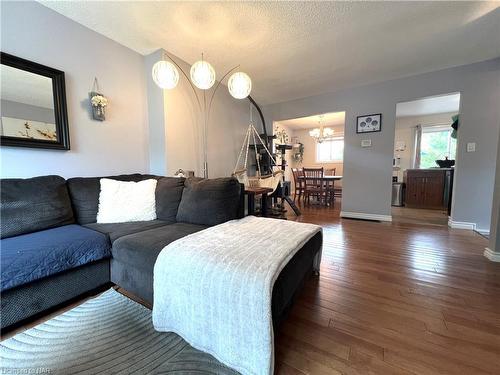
x=53, y=251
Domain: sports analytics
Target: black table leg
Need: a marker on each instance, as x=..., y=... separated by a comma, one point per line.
x=263, y=205
x=251, y=204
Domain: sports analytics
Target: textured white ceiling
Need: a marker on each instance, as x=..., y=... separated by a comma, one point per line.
x=429, y=106
x=298, y=49
x=309, y=122
x=24, y=87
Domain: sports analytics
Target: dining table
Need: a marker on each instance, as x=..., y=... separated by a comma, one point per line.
x=252, y=193
x=328, y=179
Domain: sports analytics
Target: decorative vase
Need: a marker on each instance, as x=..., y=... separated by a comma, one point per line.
x=98, y=113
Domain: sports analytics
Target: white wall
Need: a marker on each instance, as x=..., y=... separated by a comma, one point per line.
x=117, y=145
x=367, y=171
x=407, y=136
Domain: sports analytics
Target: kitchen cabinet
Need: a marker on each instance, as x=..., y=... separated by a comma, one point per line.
x=428, y=188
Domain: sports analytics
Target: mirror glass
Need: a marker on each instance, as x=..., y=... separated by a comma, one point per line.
x=27, y=105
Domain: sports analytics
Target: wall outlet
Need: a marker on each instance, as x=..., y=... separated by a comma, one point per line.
x=366, y=143
x=471, y=147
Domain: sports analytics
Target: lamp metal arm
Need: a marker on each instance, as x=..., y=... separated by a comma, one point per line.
x=261, y=118
x=187, y=79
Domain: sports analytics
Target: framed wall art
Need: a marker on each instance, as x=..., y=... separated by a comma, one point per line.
x=369, y=123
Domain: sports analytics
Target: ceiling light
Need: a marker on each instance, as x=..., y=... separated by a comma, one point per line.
x=320, y=134
x=165, y=74
x=202, y=75
x=239, y=85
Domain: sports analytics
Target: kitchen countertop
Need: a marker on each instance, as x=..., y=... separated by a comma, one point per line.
x=430, y=169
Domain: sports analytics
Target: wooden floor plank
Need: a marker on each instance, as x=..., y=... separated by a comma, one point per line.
x=393, y=298
x=403, y=297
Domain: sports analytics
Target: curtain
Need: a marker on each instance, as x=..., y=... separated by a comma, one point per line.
x=418, y=141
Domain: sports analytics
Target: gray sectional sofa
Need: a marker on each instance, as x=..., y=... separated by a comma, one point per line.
x=53, y=251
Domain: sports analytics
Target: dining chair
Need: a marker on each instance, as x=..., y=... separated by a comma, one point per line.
x=298, y=183
x=314, y=184
x=330, y=185
x=337, y=190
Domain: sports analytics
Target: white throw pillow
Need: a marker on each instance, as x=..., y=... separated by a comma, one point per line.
x=122, y=201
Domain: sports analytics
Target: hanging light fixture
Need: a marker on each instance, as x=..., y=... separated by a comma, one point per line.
x=239, y=85
x=321, y=134
x=165, y=74
x=202, y=74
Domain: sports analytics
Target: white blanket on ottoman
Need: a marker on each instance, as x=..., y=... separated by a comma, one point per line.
x=214, y=288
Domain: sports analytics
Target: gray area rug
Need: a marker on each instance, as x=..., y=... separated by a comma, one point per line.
x=109, y=334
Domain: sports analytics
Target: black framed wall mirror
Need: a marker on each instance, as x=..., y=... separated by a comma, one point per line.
x=33, y=105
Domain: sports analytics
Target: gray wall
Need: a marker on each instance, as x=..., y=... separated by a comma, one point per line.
x=26, y=112
x=119, y=144
x=156, y=117
x=494, y=243
x=367, y=171
x=145, y=129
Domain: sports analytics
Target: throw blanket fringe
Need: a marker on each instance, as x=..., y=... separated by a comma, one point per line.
x=214, y=288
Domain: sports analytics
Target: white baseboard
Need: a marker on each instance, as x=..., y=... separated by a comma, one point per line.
x=484, y=232
x=363, y=216
x=461, y=224
x=491, y=255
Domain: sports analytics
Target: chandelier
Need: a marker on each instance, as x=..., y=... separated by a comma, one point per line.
x=321, y=134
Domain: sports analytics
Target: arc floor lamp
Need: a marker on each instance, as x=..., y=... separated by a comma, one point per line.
x=202, y=76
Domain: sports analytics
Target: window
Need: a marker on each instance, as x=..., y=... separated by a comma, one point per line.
x=436, y=144
x=330, y=150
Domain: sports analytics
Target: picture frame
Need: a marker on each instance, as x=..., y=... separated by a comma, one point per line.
x=369, y=123
x=33, y=132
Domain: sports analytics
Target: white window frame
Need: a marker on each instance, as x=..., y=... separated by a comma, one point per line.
x=438, y=129
x=330, y=160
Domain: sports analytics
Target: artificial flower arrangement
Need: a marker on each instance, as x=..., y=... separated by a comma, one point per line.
x=99, y=103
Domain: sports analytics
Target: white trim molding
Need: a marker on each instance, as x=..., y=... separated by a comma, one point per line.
x=363, y=216
x=461, y=224
x=491, y=255
x=484, y=232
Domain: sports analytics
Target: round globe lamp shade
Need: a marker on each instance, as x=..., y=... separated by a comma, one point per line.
x=202, y=75
x=239, y=85
x=165, y=74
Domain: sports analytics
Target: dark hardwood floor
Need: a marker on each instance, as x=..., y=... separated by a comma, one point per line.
x=419, y=216
x=394, y=298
